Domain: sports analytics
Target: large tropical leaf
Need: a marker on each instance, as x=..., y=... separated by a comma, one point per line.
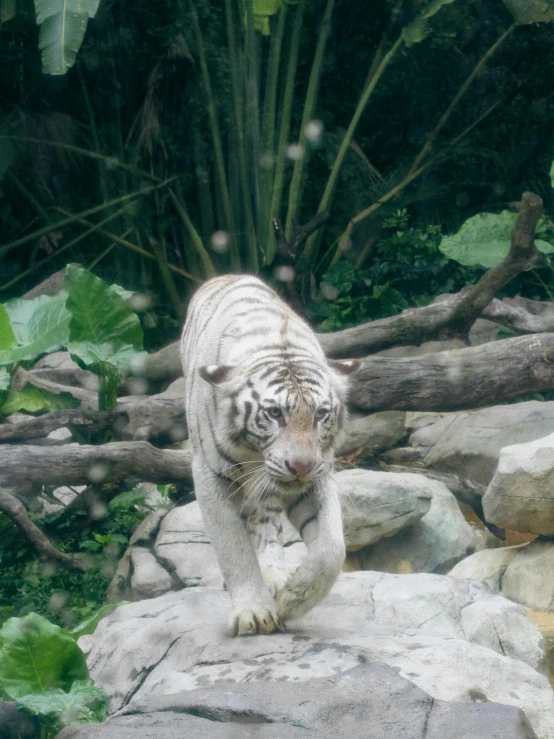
x=7, y=336
x=56, y=708
x=484, y=240
x=33, y=399
x=89, y=625
x=40, y=325
x=37, y=656
x=98, y=314
x=62, y=28
x=531, y=11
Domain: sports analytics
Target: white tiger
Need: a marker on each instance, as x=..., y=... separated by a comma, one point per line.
x=264, y=410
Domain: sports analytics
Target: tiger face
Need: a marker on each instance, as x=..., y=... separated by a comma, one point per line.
x=290, y=417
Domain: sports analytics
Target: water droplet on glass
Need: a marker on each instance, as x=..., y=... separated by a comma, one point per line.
x=138, y=364
x=97, y=472
x=313, y=131
x=57, y=602
x=137, y=386
x=284, y=274
x=295, y=151
x=140, y=301
x=329, y=292
x=267, y=160
x=220, y=241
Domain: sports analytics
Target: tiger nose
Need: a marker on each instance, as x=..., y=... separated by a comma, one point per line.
x=300, y=467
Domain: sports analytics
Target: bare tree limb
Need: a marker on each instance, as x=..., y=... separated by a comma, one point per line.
x=36, y=428
x=25, y=467
x=16, y=512
x=459, y=379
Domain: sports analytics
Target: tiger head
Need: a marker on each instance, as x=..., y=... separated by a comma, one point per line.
x=290, y=416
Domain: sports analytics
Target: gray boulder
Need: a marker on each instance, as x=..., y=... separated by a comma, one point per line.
x=529, y=578
x=487, y=566
x=434, y=544
x=161, y=649
x=520, y=496
x=469, y=443
x=379, y=504
x=369, y=701
x=377, y=432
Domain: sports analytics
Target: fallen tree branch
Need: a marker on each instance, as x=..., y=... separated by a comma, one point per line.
x=16, y=512
x=458, y=379
x=36, y=428
x=25, y=467
x=22, y=377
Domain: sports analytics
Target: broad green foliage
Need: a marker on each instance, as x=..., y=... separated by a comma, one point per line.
x=89, y=625
x=56, y=708
x=484, y=240
x=62, y=28
x=263, y=10
x=98, y=314
x=7, y=336
x=531, y=11
x=417, y=30
x=33, y=399
x=40, y=325
x=37, y=656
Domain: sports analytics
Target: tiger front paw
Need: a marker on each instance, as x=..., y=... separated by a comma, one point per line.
x=254, y=620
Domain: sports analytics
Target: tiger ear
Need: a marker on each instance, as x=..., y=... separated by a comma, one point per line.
x=215, y=374
x=346, y=367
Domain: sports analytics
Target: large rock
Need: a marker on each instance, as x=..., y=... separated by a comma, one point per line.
x=379, y=504
x=469, y=443
x=149, y=652
x=529, y=578
x=375, y=433
x=434, y=544
x=487, y=566
x=521, y=493
x=370, y=701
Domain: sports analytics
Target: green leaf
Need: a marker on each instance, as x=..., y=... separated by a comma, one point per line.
x=98, y=314
x=62, y=28
x=121, y=291
x=37, y=656
x=93, y=355
x=484, y=240
x=88, y=626
x=418, y=29
x=341, y=276
x=263, y=10
x=127, y=500
x=7, y=336
x=33, y=399
x=40, y=325
x=5, y=379
x=56, y=708
x=531, y=11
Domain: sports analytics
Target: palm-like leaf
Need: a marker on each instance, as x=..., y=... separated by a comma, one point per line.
x=62, y=28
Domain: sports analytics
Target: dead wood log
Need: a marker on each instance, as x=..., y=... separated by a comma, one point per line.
x=16, y=512
x=88, y=398
x=26, y=467
x=36, y=428
x=458, y=379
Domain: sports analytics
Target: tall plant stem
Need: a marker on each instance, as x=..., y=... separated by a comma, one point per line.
x=288, y=95
x=313, y=242
x=133, y=247
x=268, y=120
x=93, y=227
x=345, y=237
x=295, y=191
x=459, y=95
x=203, y=256
x=216, y=139
x=244, y=175
x=85, y=213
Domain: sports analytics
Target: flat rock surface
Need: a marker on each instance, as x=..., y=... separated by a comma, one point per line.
x=369, y=701
x=155, y=649
x=469, y=443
